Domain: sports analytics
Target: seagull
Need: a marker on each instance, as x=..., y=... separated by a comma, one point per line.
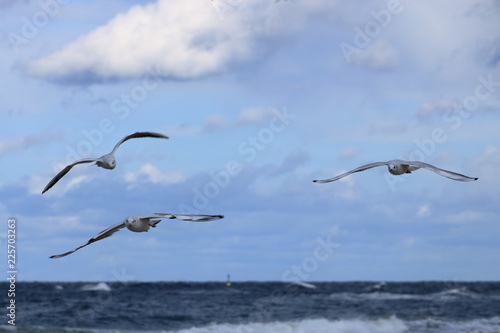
x=399, y=167
x=105, y=161
x=141, y=223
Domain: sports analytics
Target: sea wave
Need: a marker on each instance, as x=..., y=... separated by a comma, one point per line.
x=384, y=325
x=377, y=296
x=382, y=295
x=430, y=325
x=390, y=324
x=101, y=286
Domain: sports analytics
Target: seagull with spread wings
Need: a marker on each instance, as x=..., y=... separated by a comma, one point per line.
x=105, y=161
x=399, y=167
x=141, y=223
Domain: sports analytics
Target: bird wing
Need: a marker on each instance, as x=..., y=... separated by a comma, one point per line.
x=139, y=135
x=442, y=172
x=361, y=168
x=103, y=234
x=65, y=171
x=184, y=217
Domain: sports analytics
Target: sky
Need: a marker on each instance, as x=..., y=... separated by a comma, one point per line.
x=258, y=98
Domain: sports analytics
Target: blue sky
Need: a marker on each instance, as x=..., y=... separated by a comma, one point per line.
x=258, y=98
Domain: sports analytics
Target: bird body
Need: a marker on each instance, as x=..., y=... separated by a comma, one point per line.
x=400, y=167
x=106, y=161
x=141, y=223
x=138, y=224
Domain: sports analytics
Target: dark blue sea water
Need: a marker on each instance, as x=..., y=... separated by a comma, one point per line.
x=344, y=307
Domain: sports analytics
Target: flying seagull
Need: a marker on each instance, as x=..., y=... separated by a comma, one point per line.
x=399, y=167
x=141, y=223
x=105, y=161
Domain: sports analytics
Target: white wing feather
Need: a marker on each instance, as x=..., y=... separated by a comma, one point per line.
x=103, y=234
x=442, y=172
x=361, y=168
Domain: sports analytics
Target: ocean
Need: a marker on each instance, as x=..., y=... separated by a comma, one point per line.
x=260, y=307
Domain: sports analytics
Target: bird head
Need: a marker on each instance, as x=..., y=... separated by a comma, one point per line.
x=130, y=221
x=111, y=163
x=393, y=168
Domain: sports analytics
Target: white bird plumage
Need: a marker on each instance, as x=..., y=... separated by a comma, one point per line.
x=399, y=167
x=141, y=223
x=106, y=161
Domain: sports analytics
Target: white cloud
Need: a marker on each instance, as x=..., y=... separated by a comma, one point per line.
x=389, y=126
x=380, y=55
x=251, y=116
x=183, y=130
x=464, y=216
x=409, y=242
x=485, y=166
x=349, y=153
x=69, y=182
x=170, y=39
x=438, y=107
x=184, y=39
x=75, y=182
x=423, y=211
x=490, y=157
x=255, y=116
x=154, y=175
x=214, y=122
x=58, y=224
x=28, y=141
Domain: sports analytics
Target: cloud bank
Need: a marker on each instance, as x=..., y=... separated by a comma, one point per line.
x=175, y=39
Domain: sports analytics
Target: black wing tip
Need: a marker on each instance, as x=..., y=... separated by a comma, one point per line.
x=154, y=134
x=315, y=181
x=47, y=188
x=56, y=256
x=476, y=178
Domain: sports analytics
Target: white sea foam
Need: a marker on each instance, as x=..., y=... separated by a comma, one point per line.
x=377, y=296
x=101, y=286
x=483, y=325
x=463, y=291
x=303, y=284
x=386, y=325
x=390, y=296
x=380, y=295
